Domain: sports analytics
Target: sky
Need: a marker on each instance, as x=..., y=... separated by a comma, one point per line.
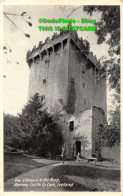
x=15, y=68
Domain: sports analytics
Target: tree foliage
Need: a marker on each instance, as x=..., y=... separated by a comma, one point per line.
x=38, y=133
x=108, y=31
x=112, y=67
x=11, y=131
x=108, y=135
x=109, y=25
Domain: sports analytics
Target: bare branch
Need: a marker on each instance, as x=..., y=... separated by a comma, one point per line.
x=30, y=24
x=12, y=14
x=74, y=11
x=10, y=20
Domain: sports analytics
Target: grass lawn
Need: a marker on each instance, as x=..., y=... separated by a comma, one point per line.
x=87, y=177
x=16, y=163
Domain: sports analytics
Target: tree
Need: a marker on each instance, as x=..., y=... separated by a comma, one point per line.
x=34, y=130
x=108, y=30
x=40, y=133
x=11, y=131
x=108, y=136
x=115, y=111
x=109, y=24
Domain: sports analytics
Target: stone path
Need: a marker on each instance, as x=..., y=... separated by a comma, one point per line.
x=46, y=161
x=34, y=180
x=38, y=180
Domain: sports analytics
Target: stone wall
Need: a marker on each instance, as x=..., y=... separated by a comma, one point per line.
x=98, y=119
x=82, y=130
x=86, y=127
x=54, y=70
x=88, y=89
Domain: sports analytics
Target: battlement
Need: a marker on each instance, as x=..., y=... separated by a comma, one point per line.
x=93, y=59
x=58, y=41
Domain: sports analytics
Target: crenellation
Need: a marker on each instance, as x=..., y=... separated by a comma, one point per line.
x=57, y=47
x=43, y=54
x=40, y=45
x=36, y=58
x=34, y=48
x=84, y=45
x=30, y=62
x=47, y=40
x=93, y=59
x=50, y=51
x=54, y=36
x=28, y=54
x=87, y=45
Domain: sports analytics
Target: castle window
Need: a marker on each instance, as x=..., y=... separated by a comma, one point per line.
x=71, y=125
x=43, y=54
x=47, y=62
x=50, y=51
x=84, y=85
x=36, y=58
x=44, y=81
x=85, y=101
x=57, y=47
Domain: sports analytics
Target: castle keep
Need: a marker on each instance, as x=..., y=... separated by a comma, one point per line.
x=66, y=75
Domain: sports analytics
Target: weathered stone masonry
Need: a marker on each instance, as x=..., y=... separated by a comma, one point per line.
x=65, y=73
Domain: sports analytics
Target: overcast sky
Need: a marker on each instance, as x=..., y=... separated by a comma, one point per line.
x=17, y=75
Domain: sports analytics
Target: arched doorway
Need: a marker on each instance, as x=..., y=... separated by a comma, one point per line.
x=78, y=146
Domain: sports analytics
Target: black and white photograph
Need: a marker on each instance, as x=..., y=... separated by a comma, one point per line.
x=61, y=97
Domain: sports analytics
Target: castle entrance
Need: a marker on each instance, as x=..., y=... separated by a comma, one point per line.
x=78, y=146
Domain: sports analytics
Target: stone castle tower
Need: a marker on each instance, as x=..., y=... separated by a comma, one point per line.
x=66, y=75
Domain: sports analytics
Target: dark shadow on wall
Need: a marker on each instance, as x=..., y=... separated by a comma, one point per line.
x=71, y=97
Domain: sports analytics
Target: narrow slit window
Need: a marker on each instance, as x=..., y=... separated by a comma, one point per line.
x=85, y=101
x=44, y=81
x=71, y=125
